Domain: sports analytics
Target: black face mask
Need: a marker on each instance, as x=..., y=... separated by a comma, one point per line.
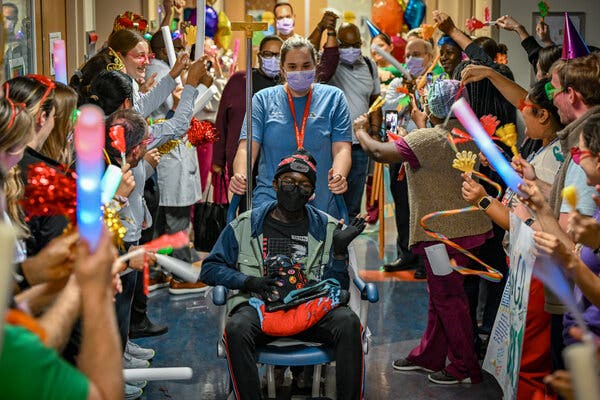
x=291, y=200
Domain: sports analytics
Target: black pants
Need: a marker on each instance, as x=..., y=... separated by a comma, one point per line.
x=173, y=220
x=139, y=305
x=399, y=191
x=339, y=328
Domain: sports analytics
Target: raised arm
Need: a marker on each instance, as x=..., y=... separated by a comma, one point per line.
x=378, y=151
x=509, y=89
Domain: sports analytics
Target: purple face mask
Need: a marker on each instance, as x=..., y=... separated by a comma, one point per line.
x=285, y=26
x=300, y=81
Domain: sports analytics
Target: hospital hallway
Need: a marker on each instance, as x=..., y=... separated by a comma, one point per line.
x=396, y=323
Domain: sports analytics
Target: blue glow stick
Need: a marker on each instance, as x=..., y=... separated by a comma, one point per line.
x=470, y=122
x=553, y=277
x=110, y=183
x=89, y=142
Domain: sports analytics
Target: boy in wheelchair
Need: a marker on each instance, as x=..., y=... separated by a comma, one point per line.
x=289, y=263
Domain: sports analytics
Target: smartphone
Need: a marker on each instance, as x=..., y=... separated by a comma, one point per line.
x=391, y=120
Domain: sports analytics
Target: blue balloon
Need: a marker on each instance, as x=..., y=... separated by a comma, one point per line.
x=212, y=20
x=414, y=14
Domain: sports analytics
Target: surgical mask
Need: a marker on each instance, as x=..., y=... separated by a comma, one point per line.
x=300, y=81
x=291, y=200
x=415, y=65
x=349, y=55
x=270, y=66
x=285, y=26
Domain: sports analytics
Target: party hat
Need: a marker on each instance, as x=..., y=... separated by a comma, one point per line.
x=573, y=44
x=373, y=30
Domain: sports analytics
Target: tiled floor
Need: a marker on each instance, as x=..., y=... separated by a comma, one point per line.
x=396, y=323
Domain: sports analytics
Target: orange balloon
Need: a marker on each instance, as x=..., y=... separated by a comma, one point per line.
x=388, y=16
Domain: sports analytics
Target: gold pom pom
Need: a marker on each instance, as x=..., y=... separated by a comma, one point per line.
x=569, y=193
x=190, y=35
x=168, y=147
x=112, y=220
x=508, y=135
x=464, y=161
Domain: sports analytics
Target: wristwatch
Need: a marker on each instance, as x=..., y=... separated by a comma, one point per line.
x=484, y=203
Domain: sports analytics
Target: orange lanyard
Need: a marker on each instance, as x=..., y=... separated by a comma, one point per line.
x=299, y=132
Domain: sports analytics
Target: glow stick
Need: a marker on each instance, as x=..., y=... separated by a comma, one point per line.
x=200, y=28
x=389, y=58
x=157, y=374
x=89, y=142
x=60, y=61
x=234, y=57
x=467, y=118
x=170, y=49
x=110, y=183
x=7, y=251
x=553, y=277
x=204, y=98
x=580, y=359
x=184, y=270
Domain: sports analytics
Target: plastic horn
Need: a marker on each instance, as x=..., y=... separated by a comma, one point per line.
x=157, y=374
x=177, y=267
x=467, y=118
x=110, y=183
x=200, y=28
x=580, y=359
x=7, y=249
x=89, y=142
x=389, y=58
x=170, y=49
x=204, y=98
x=60, y=61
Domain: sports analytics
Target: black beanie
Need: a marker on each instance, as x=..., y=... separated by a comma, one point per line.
x=302, y=162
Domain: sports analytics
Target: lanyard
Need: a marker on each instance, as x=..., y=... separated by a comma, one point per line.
x=299, y=132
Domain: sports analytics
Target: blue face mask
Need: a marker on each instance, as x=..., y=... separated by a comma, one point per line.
x=415, y=65
x=300, y=81
x=270, y=66
x=349, y=55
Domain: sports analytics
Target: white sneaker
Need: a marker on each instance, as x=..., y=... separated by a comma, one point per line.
x=139, y=352
x=130, y=362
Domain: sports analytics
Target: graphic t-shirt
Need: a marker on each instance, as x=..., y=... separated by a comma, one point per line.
x=287, y=239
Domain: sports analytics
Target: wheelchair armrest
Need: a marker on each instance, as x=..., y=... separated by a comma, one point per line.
x=368, y=291
x=219, y=295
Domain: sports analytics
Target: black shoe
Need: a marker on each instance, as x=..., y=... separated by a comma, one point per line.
x=420, y=273
x=402, y=263
x=146, y=328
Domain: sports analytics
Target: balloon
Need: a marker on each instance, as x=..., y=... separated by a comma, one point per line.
x=223, y=36
x=398, y=47
x=415, y=13
x=212, y=21
x=388, y=16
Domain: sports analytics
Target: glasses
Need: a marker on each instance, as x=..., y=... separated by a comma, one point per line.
x=268, y=54
x=523, y=104
x=289, y=185
x=141, y=57
x=15, y=108
x=47, y=82
x=577, y=154
x=551, y=91
x=147, y=140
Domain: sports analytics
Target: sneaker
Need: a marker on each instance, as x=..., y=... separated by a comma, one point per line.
x=139, y=352
x=444, y=378
x=130, y=362
x=132, y=392
x=177, y=287
x=405, y=365
x=161, y=280
x=138, y=384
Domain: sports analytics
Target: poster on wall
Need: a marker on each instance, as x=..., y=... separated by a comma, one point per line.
x=503, y=356
x=556, y=24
